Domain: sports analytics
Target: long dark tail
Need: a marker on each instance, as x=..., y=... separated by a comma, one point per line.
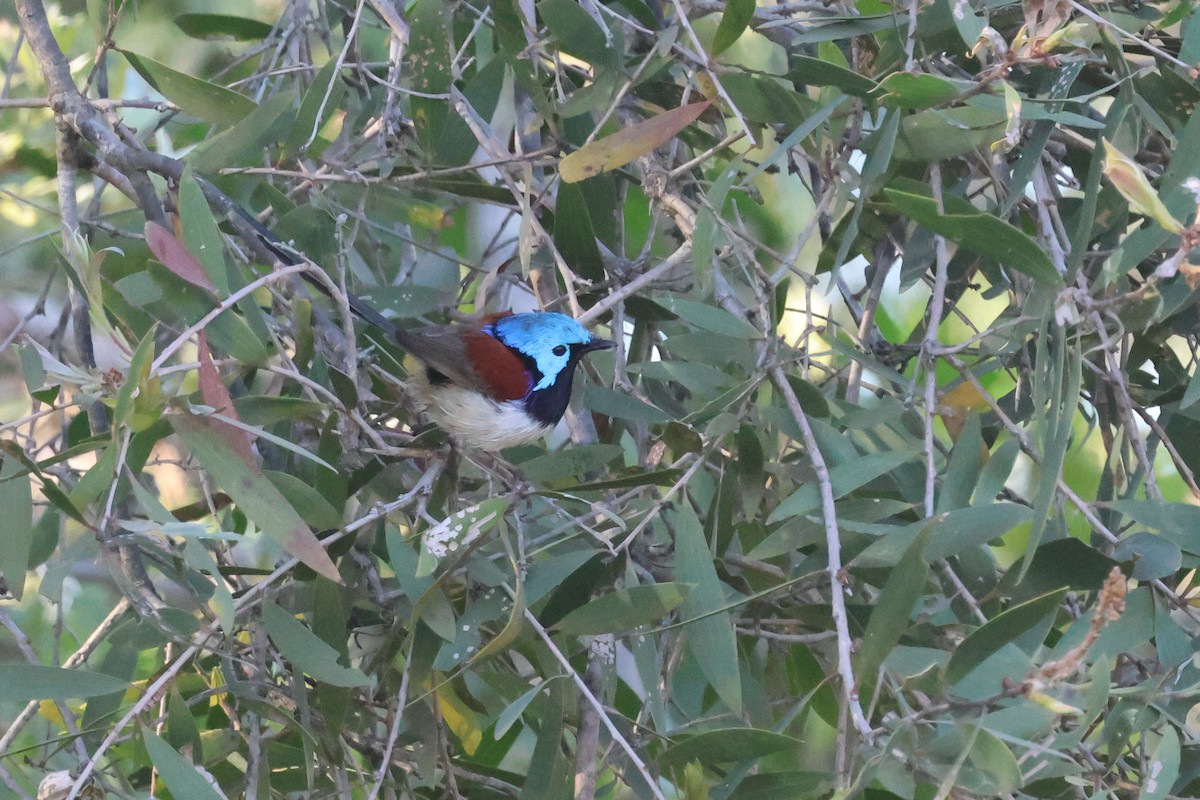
x=290, y=256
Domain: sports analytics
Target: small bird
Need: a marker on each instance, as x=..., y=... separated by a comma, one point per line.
x=500, y=382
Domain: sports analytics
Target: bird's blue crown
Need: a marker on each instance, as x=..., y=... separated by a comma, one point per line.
x=548, y=339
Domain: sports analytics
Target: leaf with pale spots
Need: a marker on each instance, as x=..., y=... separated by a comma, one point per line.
x=456, y=532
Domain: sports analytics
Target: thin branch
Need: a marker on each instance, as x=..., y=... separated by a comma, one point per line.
x=833, y=543
x=590, y=699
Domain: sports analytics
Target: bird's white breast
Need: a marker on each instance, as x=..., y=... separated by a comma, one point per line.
x=473, y=419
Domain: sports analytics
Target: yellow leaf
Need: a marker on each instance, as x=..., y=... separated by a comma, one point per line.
x=460, y=719
x=48, y=710
x=957, y=404
x=1052, y=704
x=1128, y=178
x=624, y=146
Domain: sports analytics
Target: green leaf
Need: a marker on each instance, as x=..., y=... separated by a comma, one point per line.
x=624, y=609
x=182, y=730
x=573, y=233
x=177, y=772
x=97, y=479
x=314, y=508
x=734, y=20
x=253, y=493
x=996, y=471
x=998, y=632
x=25, y=682
x=789, y=784
x=183, y=304
x=818, y=72
x=1176, y=521
x=569, y=464
x=201, y=236
x=577, y=32
x=34, y=372
x=812, y=399
x=906, y=90
x=260, y=410
x=457, y=531
x=136, y=378
x=993, y=758
x=981, y=233
x=57, y=497
x=120, y=662
x=321, y=101
x=726, y=745
x=456, y=142
x=1153, y=556
x=407, y=302
x=547, y=576
x=222, y=26
x=244, y=142
x=962, y=472
x=892, y=614
x=307, y=651
x=16, y=535
x=708, y=630
x=941, y=133
x=548, y=775
x=710, y=318
x=1163, y=768
x=620, y=405
x=634, y=477
x=1063, y=562
x=704, y=238
x=1192, y=393
x=845, y=28
x=197, y=97
x=965, y=528
x=845, y=479
x=767, y=99
x=515, y=709
x=1057, y=380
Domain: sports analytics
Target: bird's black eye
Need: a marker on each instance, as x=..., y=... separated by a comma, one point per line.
x=560, y=350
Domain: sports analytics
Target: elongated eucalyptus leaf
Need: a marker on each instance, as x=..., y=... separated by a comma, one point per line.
x=306, y=651
x=624, y=609
x=618, y=149
x=709, y=631
x=25, y=682
x=179, y=774
x=253, y=493
x=195, y=96
x=982, y=233
x=998, y=632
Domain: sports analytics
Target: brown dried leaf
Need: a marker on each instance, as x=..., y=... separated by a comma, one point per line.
x=213, y=390
x=624, y=146
x=175, y=257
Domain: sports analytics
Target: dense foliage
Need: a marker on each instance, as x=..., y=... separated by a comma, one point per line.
x=888, y=489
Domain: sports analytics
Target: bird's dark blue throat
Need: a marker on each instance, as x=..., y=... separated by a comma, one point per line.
x=548, y=405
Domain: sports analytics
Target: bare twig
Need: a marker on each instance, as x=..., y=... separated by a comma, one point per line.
x=591, y=700
x=833, y=544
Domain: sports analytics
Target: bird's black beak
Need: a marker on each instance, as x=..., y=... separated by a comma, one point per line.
x=598, y=344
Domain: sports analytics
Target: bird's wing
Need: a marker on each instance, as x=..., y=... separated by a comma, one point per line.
x=443, y=348
x=469, y=358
